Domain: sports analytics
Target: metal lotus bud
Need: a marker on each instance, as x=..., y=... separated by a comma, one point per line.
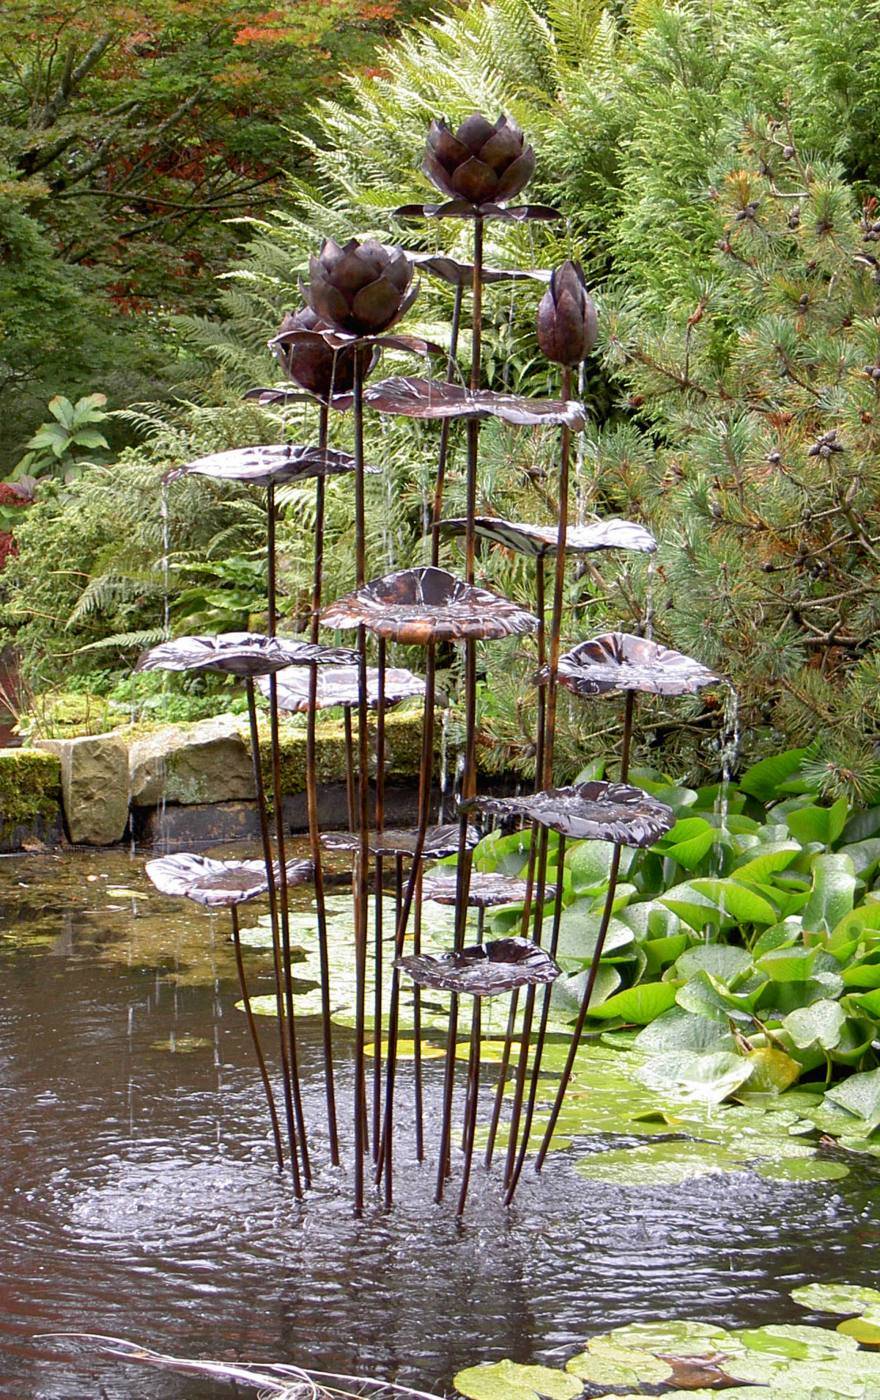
x=310, y=362
x=361, y=288
x=482, y=162
x=567, y=323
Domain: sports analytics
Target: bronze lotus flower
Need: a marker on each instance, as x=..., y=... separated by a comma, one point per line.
x=361, y=288
x=567, y=322
x=618, y=662
x=593, y=811
x=407, y=396
x=240, y=654
x=482, y=162
x=538, y=541
x=486, y=970
x=440, y=841
x=339, y=686
x=268, y=466
x=485, y=889
x=219, y=884
x=308, y=360
x=418, y=606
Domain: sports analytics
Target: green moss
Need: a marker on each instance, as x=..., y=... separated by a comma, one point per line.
x=403, y=746
x=69, y=715
x=30, y=787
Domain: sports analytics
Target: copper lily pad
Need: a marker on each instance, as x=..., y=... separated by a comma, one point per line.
x=617, y=662
x=485, y=970
x=219, y=884
x=240, y=654
x=461, y=209
x=593, y=811
x=440, y=841
x=407, y=396
x=485, y=889
x=459, y=274
x=418, y=606
x=339, y=686
x=267, y=466
x=538, y=541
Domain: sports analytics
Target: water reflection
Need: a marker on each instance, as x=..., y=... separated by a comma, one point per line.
x=138, y=1197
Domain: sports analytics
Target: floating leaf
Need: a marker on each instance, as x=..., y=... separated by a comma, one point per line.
x=846, y=1298
x=819, y=1024
x=707, y=1078
x=865, y=1329
x=605, y=1364
x=506, y=1380
x=802, y=1169
x=640, y=1004
x=859, y=1095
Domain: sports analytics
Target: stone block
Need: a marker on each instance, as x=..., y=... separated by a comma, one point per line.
x=94, y=787
x=192, y=764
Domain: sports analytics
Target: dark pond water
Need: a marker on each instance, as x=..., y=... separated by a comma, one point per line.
x=137, y=1196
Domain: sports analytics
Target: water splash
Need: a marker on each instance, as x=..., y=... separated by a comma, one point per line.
x=728, y=752
x=444, y=762
x=580, y=485
x=166, y=565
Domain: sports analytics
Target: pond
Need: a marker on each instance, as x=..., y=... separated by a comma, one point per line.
x=138, y=1197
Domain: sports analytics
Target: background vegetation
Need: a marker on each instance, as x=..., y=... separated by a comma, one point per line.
x=718, y=168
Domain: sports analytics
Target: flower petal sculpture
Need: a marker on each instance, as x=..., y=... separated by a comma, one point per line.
x=338, y=685
x=407, y=396
x=360, y=288
x=219, y=884
x=440, y=841
x=267, y=466
x=567, y=321
x=593, y=811
x=239, y=654
x=486, y=889
x=303, y=353
x=458, y=274
x=419, y=606
x=617, y=662
x=485, y=970
x=482, y=162
x=539, y=541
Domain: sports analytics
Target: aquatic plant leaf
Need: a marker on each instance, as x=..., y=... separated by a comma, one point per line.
x=859, y=1095
x=723, y=900
x=272, y=465
x=705, y=1078
x=796, y=1342
x=793, y=964
x=340, y=686
x=219, y=884
x=677, y=1336
x=802, y=1169
x=772, y=1070
x=485, y=970
x=484, y=889
x=609, y=1365
x=845, y=1298
x=617, y=662
x=411, y=397
x=440, y=841
x=832, y=895
x=240, y=654
x=598, y=811
x=819, y=1024
x=727, y=964
x=418, y=606
x=677, y=1031
x=657, y=1164
x=765, y=778
x=641, y=1004
x=538, y=541
x=506, y=1380
x=866, y=1327
x=814, y=823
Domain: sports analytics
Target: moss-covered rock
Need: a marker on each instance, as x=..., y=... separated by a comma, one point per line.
x=403, y=747
x=30, y=791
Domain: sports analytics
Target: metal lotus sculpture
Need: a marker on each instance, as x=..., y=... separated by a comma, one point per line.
x=593, y=811
x=437, y=842
x=461, y=274
x=480, y=167
x=244, y=654
x=486, y=890
x=487, y=970
x=429, y=399
x=420, y=606
x=567, y=321
x=268, y=466
x=301, y=349
x=540, y=541
x=617, y=662
x=219, y=884
x=340, y=686
x=360, y=288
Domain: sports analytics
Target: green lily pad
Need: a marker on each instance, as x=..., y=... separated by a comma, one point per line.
x=657, y=1164
x=605, y=1364
x=640, y=1004
x=865, y=1328
x=802, y=1169
x=676, y=1336
x=506, y=1380
x=680, y=1030
x=796, y=1343
x=859, y=1095
x=707, y=1078
x=819, y=1024
x=846, y=1298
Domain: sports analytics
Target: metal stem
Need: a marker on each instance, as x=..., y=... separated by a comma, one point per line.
x=377, y=899
x=255, y=1038
x=445, y=429
x=276, y=941
x=473, y=1093
x=362, y=856
x=312, y=805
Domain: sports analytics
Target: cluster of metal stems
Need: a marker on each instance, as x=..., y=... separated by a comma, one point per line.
x=527, y=1023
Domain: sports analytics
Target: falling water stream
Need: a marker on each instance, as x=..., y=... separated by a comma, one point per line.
x=137, y=1196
